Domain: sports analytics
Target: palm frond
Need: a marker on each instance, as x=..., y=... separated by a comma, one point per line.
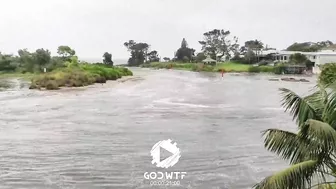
x=318, y=100
x=297, y=176
x=290, y=146
x=320, y=132
x=329, y=114
x=299, y=107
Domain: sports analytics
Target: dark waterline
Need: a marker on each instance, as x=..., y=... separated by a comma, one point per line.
x=102, y=137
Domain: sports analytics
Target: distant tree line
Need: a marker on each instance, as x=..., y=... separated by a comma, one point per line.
x=41, y=59
x=219, y=45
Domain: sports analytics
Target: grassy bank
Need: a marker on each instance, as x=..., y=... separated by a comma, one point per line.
x=227, y=66
x=78, y=76
x=25, y=76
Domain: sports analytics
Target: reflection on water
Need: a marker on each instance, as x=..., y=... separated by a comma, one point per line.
x=102, y=137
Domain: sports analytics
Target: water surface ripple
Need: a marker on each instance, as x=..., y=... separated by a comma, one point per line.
x=102, y=137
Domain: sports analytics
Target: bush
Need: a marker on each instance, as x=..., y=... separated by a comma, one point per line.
x=51, y=85
x=254, y=69
x=83, y=75
x=279, y=69
x=208, y=68
x=328, y=74
x=34, y=86
x=268, y=69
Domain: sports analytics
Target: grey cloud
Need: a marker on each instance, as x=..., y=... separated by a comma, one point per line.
x=95, y=26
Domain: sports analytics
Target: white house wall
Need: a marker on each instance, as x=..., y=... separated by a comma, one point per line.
x=320, y=58
x=325, y=58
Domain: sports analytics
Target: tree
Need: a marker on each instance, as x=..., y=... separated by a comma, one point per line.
x=256, y=46
x=185, y=59
x=166, y=59
x=73, y=62
x=184, y=51
x=200, y=57
x=309, y=46
x=6, y=62
x=138, y=52
x=184, y=43
x=153, y=56
x=26, y=60
x=298, y=58
x=107, y=58
x=311, y=151
x=65, y=51
x=250, y=56
x=217, y=44
x=41, y=57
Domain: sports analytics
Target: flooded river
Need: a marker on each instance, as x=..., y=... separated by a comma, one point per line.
x=101, y=137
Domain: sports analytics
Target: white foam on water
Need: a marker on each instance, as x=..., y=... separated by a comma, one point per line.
x=168, y=101
x=272, y=108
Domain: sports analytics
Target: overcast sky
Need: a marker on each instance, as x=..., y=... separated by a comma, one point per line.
x=93, y=27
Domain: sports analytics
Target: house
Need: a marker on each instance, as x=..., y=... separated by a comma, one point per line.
x=324, y=56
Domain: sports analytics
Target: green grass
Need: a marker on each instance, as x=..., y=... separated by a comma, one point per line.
x=227, y=66
x=26, y=76
x=232, y=67
x=78, y=76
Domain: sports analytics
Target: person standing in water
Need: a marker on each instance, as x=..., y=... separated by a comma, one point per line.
x=223, y=73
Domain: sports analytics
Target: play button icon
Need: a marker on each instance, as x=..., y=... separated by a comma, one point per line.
x=165, y=154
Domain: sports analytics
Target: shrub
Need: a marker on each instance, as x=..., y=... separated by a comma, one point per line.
x=195, y=68
x=83, y=75
x=51, y=85
x=328, y=74
x=34, y=86
x=208, y=68
x=279, y=69
x=254, y=69
x=268, y=69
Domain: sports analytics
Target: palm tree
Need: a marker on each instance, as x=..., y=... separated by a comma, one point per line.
x=312, y=150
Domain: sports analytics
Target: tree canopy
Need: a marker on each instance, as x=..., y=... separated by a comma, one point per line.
x=166, y=59
x=138, y=52
x=298, y=58
x=184, y=53
x=217, y=44
x=65, y=51
x=35, y=61
x=107, y=58
x=153, y=56
x=200, y=57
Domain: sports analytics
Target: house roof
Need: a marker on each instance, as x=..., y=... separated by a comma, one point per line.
x=293, y=52
x=208, y=59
